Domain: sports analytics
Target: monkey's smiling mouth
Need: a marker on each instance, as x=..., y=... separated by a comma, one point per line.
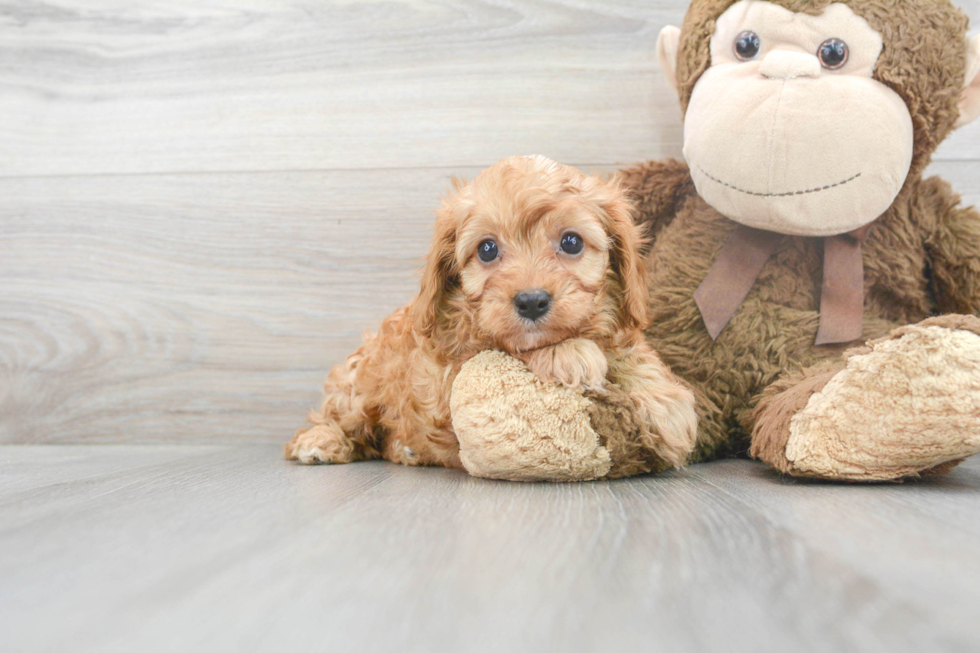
x=789, y=194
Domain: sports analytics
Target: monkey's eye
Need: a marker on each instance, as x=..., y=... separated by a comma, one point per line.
x=833, y=54
x=572, y=243
x=747, y=46
x=487, y=251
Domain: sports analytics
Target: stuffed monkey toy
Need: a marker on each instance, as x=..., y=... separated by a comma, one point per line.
x=816, y=293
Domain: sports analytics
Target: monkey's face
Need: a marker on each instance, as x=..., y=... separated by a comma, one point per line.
x=788, y=131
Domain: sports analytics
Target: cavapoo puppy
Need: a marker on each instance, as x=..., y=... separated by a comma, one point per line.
x=532, y=258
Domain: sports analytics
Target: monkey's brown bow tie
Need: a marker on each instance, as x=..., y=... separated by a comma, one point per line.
x=745, y=255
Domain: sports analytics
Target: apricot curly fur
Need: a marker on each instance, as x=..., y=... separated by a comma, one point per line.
x=391, y=398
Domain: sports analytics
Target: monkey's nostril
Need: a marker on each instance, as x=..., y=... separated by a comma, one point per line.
x=784, y=64
x=532, y=304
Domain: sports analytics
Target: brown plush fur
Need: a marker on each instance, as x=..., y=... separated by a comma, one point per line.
x=391, y=398
x=785, y=399
x=513, y=425
x=911, y=271
x=615, y=420
x=922, y=256
x=779, y=403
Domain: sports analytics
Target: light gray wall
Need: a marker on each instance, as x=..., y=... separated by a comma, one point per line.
x=204, y=203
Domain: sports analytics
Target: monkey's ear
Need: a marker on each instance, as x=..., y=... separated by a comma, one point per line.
x=667, y=45
x=970, y=98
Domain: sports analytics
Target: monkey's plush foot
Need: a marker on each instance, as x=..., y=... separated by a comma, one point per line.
x=513, y=425
x=903, y=406
x=323, y=443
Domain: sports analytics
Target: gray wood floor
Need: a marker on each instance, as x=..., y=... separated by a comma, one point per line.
x=220, y=548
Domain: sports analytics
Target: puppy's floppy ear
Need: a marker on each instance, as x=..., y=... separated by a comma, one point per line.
x=625, y=258
x=439, y=272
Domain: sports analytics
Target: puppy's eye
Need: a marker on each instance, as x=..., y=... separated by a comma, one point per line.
x=487, y=251
x=747, y=46
x=833, y=54
x=572, y=243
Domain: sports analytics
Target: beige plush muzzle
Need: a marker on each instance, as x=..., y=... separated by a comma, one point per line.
x=779, y=142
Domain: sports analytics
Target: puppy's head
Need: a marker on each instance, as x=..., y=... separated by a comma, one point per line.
x=532, y=253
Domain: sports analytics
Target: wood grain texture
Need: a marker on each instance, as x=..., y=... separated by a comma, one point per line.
x=203, y=307
x=219, y=85
x=195, y=306
x=269, y=85
x=203, y=205
x=229, y=549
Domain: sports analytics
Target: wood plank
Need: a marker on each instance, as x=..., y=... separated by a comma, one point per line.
x=143, y=86
x=147, y=309
x=127, y=87
x=230, y=549
x=29, y=468
x=204, y=307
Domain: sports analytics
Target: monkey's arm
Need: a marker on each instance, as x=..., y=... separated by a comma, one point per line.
x=658, y=188
x=952, y=245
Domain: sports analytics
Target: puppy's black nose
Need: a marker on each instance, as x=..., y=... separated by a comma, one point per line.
x=532, y=304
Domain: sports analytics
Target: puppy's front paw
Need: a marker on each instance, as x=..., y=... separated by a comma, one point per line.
x=324, y=443
x=575, y=363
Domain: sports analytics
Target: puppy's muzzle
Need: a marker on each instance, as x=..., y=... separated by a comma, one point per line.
x=532, y=304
